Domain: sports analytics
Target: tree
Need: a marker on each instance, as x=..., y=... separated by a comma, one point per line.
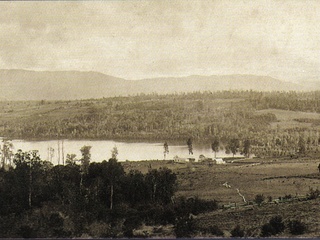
x=30, y=165
x=114, y=152
x=135, y=188
x=112, y=172
x=246, y=148
x=215, y=146
x=65, y=183
x=161, y=185
x=233, y=145
x=190, y=148
x=85, y=160
x=166, y=150
x=6, y=152
x=71, y=159
x=85, y=163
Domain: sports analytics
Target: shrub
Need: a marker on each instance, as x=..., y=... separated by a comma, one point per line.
x=288, y=196
x=195, y=206
x=26, y=232
x=152, y=214
x=259, y=198
x=55, y=221
x=99, y=229
x=275, y=226
x=266, y=230
x=237, y=232
x=133, y=220
x=184, y=227
x=216, y=231
x=313, y=194
x=168, y=215
x=55, y=224
x=297, y=227
x=200, y=206
x=212, y=230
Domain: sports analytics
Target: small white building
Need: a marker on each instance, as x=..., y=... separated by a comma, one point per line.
x=179, y=159
x=219, y=161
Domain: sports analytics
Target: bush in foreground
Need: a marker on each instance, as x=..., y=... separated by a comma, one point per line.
x=184, y=227
x=237, y=232
x=275, y=226
x=297, y=227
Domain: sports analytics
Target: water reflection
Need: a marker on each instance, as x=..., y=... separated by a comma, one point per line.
x=56, y=151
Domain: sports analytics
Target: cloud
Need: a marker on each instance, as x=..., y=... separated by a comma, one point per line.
x=139, y=39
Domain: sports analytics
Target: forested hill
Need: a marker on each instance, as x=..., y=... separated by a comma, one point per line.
x=71, y=85
x=275, y=122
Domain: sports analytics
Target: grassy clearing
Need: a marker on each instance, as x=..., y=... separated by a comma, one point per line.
x=272, y=177
x=287, y=119
x=286, y=115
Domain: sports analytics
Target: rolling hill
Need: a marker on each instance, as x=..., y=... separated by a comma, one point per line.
x=70, y=85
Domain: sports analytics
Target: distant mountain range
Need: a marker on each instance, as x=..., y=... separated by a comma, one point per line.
x=70, y=85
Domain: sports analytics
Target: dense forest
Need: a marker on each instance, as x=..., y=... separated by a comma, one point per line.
x=86, y=198
x=229, y=116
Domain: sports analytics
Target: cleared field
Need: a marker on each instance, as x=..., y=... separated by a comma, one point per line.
x=270, y=177
x=287, y=119
x=286, y=115
x=275, y=178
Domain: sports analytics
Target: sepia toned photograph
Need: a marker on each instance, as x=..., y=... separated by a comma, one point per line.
x=160, y=119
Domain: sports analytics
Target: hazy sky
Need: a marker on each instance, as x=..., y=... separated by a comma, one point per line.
x=141, y=39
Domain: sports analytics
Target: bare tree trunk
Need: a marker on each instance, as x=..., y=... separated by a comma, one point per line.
x=58, y=152
x=62, y=149
x=81, y=180
x=154, y=192
x=30, y=187
x=2, y=157
x=111, y=196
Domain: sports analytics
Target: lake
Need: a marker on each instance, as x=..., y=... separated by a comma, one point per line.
x=101, y=149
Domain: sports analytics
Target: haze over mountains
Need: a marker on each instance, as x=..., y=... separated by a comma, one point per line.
x=70, y=85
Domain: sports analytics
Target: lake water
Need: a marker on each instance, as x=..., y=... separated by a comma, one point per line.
x=101, y=150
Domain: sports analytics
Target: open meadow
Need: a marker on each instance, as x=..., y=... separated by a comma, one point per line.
x=270, y=177
x=280, y=181
x=293, y=119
